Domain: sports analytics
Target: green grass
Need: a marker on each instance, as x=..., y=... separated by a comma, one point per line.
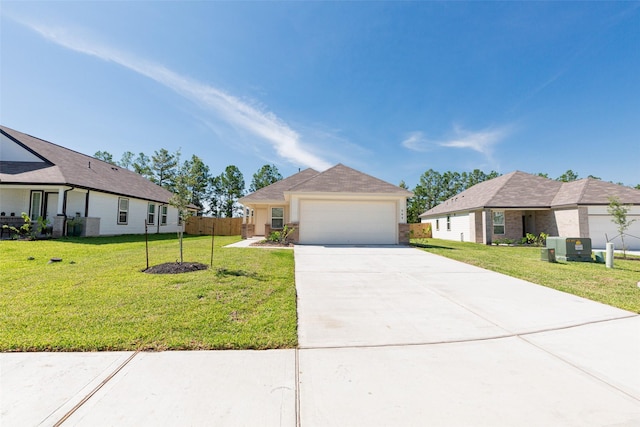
x=617, y=287
x=98, y=298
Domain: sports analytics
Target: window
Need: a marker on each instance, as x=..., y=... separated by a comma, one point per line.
x=36, y=205
x=277, y=218
x=448, y=223
x=498, y=222
x=123, y=210
x=437, y=225
x=163, y=215
x=151, y=213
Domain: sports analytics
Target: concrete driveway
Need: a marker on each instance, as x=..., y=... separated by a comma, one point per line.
x=397, y=336
x=388, y=336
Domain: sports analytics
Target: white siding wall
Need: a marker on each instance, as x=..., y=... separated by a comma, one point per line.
x=601, y=227
x=459, y=225
x=76, y=200
x=14, y=200
x=105, y=207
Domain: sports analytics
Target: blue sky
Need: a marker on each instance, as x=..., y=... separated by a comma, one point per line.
x=389, y=88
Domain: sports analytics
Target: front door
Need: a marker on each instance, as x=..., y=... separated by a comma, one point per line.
x=261, y=220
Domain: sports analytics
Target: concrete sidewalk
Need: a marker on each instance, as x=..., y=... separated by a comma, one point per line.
x=388, y=336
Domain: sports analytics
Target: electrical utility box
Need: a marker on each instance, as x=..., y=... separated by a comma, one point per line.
x=548, y=254
x=571, y=248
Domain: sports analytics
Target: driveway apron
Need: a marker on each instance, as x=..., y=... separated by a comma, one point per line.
x=397, y=336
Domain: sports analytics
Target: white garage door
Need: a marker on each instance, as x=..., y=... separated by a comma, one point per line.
x=348, y=222
x=601, y=227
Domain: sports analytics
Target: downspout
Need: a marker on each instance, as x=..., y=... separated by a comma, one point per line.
x=86, y=204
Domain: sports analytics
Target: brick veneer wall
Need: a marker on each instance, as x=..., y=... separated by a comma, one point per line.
x=403, y=234
x=248, y=230
x=294, y=237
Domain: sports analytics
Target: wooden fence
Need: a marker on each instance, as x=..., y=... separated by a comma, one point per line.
x=420, y=230
x=200, y=225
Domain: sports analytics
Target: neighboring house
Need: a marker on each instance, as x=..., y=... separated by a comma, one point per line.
x=53, y=182
x=338, y=206
x=512, y=205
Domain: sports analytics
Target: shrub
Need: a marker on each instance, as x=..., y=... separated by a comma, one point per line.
x=280, y=237
x=24, y=231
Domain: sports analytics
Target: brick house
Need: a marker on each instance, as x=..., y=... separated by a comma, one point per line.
x=517, y=203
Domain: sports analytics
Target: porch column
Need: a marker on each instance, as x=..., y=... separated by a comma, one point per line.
x=487, y=226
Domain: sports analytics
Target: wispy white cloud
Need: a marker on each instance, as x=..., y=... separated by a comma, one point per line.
x=258, y=121
x=481, y=141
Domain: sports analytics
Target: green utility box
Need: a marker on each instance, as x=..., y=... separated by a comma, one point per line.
x=548, y=254
x=599, y=256
x=571, y=248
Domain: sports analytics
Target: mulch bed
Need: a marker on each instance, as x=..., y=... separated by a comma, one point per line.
x=176, y=268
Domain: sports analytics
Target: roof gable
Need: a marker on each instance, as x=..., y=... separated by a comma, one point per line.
x=590, y=191
x=338, y=179
x=275, y=191
x=343, y=179
x=68, y=167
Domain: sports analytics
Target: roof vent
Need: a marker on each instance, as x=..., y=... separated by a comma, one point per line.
x=114, y=168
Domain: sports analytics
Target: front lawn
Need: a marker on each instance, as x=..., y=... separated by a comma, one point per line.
x=617, y=287
x=98, y=298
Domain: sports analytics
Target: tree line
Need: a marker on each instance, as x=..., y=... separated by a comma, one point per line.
x=217, y=195
x=192, y=180
x=435, y=187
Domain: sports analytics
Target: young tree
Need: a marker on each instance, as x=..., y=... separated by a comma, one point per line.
x=183, y=182
x=105, y=156
x=618, y=212
x=266, y=175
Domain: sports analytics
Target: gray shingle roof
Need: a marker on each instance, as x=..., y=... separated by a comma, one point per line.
x=522, y=190
x=275, y=191
x=591, y=191
x=343, y=179
x=68, y=167
x=338, y=179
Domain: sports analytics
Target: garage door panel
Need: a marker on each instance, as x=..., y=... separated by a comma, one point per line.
x=348, y=222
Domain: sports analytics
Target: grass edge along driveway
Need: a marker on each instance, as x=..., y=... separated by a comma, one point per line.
x=617, y=287
x=98, y=298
